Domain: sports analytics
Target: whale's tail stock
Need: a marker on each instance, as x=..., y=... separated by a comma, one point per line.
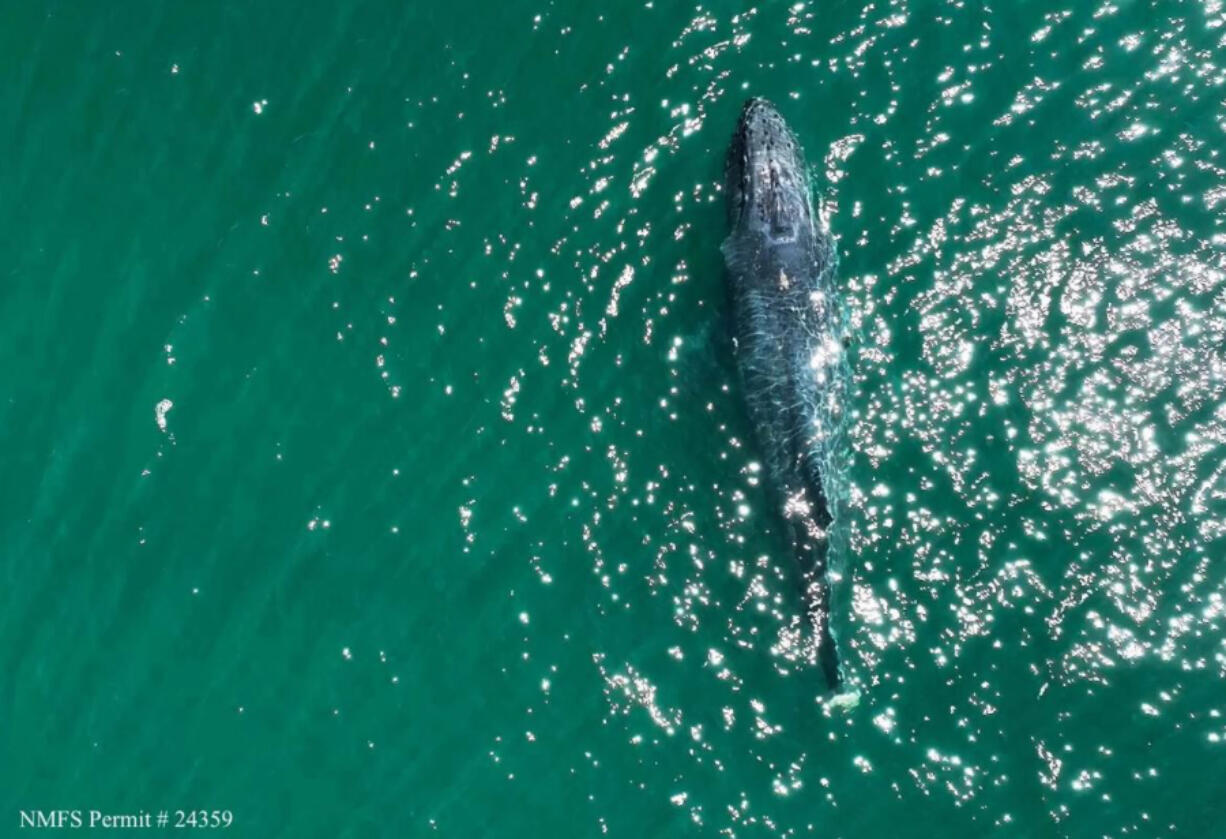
x=842, y=693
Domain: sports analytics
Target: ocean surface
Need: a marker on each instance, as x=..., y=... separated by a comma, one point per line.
x=373, y=461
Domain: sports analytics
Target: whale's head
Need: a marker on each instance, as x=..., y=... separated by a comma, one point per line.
x=764, y=176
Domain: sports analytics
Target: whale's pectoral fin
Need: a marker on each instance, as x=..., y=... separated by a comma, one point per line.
x=737, y=257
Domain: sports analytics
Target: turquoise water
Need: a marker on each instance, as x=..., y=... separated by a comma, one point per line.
x=374, y=462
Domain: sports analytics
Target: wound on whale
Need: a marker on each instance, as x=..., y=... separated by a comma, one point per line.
x=787, y=331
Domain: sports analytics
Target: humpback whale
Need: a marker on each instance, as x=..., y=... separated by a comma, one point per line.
x=788, y=340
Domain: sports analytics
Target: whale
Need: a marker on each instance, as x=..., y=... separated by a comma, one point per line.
x=788, y=339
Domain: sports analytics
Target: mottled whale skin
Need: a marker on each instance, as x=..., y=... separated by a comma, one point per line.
x=788, y=336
